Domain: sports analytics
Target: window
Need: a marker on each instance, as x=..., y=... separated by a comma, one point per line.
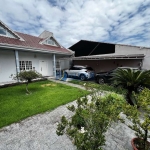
x=25, y=65
x=2, y=31
x=57, y=64
x=5, y=32
x=51, y=41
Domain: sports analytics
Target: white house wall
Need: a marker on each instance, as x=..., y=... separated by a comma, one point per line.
x=64, y=61
x=126, y=50
x=65, y=64
x=36, y=58
x=7, y=65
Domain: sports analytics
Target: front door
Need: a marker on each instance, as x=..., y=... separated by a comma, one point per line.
x=43, y=68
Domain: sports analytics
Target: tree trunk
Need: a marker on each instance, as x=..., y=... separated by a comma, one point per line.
x=27, y=88
x=145, y=139
x=129, y=97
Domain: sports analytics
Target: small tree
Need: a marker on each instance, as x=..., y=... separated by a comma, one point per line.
x=27, y=76
x=91, y=120
x=140, y=119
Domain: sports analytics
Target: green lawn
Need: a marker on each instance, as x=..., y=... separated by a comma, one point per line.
x=16, y=105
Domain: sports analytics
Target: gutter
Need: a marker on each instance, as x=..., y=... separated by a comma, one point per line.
x=108, y=58
x=14, y=47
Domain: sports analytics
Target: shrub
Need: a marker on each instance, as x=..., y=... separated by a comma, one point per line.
x=140, y=118
x=91, y=120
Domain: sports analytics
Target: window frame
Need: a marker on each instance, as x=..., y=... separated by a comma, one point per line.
x=25, y=65
x=7, y=33
x=3, y=29
x=53, y=43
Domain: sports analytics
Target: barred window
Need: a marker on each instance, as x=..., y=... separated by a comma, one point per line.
x=25, y=65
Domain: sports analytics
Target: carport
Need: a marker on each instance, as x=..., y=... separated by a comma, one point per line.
x=101, y=63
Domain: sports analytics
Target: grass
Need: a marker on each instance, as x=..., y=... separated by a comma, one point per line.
x=16, y=105
x=104, y=87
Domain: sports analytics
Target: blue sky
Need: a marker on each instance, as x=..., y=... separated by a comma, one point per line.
x=114, y=21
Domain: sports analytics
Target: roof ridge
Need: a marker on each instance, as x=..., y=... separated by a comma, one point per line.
x=28, y=34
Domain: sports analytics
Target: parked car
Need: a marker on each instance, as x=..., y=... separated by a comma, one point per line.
x=81, y=72
x=104, y=77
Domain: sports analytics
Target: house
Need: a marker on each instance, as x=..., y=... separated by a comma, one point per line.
x=19, y=51
x=106, y=56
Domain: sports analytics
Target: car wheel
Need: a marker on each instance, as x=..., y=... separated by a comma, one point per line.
x=82, y=77
x=101, y=80
x=66, y=75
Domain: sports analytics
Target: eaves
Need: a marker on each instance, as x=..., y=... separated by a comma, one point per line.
x=31, y=49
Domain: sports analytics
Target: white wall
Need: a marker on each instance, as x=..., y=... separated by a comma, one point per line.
x=7, y=65
x=125, y=50
x=65, y=64
x=36, y=58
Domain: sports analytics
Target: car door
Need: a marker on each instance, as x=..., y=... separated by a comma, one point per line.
x=76, y=72
x=71, y=71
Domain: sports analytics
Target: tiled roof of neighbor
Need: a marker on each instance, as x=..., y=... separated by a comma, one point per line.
x=30, y=42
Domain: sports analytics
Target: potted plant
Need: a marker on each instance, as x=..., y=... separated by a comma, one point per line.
x=140, y=118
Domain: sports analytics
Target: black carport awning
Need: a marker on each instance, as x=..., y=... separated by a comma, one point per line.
x=87, y=48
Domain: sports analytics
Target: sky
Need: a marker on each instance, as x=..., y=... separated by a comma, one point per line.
x=110, y=21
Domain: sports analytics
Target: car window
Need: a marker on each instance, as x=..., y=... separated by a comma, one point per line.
x=89, y=68
x=76, y=68
x=72, y=68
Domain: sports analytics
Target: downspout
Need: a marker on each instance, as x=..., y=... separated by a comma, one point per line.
x=141, y=65
x=54, y=65
x=17, y=63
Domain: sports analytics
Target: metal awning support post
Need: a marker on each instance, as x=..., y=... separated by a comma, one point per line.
x=17, y=63
x=54, y=65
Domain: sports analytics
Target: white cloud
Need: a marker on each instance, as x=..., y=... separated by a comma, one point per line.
x=122, y=21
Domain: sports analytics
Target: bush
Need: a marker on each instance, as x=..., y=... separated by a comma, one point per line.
x=91, y=120
x=140, y=118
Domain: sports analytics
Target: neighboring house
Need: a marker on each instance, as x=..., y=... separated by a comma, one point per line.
x=106, y=56
x=19, y=51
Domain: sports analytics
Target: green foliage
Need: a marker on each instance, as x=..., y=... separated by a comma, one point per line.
x=28, y=76
x=46, y=96
x=140, y=118
x=131, y=80
x=101, y=87
x=91, y=120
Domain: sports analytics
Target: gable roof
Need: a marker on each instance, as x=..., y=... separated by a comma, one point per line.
x=30, y=43
x=44, y=40
x=10, y=31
